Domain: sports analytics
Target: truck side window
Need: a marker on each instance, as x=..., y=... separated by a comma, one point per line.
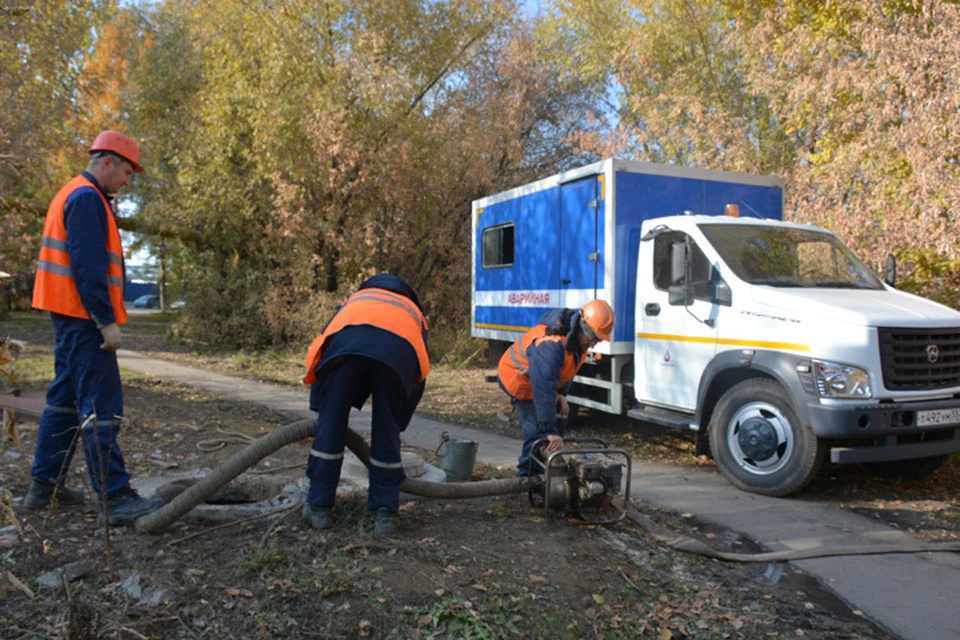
x=701, y=269
x=497, y=250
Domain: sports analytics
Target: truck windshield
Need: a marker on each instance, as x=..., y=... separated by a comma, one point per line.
x=780, y=257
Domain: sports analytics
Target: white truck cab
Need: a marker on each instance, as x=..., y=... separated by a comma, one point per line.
x=783, y=344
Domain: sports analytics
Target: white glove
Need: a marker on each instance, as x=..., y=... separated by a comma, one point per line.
x=111, y=337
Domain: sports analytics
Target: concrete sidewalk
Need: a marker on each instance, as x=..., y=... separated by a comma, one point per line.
x=913, y=596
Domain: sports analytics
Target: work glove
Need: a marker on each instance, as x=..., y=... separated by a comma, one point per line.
x=111, y=337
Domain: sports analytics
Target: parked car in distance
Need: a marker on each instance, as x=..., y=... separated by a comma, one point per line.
x=149, y=301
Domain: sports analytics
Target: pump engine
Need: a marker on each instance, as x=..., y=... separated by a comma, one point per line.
x=586, y=481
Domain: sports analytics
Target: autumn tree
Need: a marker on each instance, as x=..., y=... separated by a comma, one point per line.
x=302, y=147
x=853, y=103
x=42, y=46
x=676, y=91
x=868, y=97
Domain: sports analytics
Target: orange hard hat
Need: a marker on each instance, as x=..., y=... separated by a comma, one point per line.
x=119, y=144
x=599, y=317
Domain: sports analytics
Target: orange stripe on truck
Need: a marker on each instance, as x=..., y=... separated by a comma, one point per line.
x=759, y=344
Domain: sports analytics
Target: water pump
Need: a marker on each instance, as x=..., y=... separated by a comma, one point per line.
x=586, y=478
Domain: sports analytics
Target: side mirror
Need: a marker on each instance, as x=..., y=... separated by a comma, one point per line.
x=890, y=270
x=722, y=294
x=679, y=261
x=680, y=294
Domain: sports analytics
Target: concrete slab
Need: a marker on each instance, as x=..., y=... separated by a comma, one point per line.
x=913, y=596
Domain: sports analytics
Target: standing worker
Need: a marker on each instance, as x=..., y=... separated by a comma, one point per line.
x=537, y=369
x=375, y=345
x=80, y=282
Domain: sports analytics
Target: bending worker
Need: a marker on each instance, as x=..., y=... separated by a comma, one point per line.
x=375, y=345
x=537, y=369
x=80, y=282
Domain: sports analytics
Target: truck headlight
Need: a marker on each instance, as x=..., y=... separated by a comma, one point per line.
x=836, y=380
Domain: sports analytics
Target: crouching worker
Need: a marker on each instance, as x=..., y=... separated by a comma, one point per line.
x=537, y=369
x=375, y=345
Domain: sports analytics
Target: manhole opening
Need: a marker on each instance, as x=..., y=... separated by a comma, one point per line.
x=242, y=490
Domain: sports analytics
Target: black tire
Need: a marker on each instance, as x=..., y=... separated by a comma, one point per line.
x=915, y=469
x=758, y=442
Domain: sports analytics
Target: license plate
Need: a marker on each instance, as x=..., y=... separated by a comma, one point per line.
x=938, y=417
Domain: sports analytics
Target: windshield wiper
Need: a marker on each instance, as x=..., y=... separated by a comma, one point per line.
x=777, y=283
x=838, y=284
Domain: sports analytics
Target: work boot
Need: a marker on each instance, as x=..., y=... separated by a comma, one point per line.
x=126, y=506
x=385, y=524
x=319, y=517
x=42, y=492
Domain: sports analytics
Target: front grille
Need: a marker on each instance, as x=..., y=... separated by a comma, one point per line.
x=906, y=354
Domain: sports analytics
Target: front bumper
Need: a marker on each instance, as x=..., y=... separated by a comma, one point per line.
x=884, y=432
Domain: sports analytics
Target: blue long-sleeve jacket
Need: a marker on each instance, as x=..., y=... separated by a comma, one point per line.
x=546, y=361
x=85, y=219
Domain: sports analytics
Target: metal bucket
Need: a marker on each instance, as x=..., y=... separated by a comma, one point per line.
x=457, y=457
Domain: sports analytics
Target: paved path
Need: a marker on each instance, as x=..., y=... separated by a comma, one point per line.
x=913, y=596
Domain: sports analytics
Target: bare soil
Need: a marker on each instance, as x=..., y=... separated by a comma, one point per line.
x=480, y=568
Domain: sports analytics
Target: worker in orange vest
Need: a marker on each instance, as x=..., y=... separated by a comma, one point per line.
x=536, y=371
x=374, y=346
x=79, y=280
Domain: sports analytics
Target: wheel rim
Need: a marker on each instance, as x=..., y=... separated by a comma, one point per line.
x=760, y=439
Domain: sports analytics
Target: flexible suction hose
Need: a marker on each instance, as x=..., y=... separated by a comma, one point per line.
x=256, y=451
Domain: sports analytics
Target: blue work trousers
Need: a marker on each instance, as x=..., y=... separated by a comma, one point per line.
x=348, y=385
x=533, y=430
x=85, y=391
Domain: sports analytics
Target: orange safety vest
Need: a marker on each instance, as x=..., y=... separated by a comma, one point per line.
x=378, y=308
x=54, y=289
x=514, y=368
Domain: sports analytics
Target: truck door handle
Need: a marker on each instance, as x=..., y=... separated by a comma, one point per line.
x=565, y=281
x=652, y=309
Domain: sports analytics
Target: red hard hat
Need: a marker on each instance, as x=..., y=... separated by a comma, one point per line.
x=599, y=316
x=119, y=144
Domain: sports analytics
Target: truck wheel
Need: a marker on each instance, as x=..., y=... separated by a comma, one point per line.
x=758, y=441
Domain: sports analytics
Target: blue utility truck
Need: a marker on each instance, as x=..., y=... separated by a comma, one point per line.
x=771, y=340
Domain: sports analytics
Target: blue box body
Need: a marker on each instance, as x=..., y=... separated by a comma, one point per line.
x=576, y=237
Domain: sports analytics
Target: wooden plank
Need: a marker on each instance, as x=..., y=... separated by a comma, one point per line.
x=27, y=404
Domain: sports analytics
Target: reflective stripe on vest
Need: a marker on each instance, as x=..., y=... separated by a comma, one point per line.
x=54, y=288
x=377, y=308
x=514, y=367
